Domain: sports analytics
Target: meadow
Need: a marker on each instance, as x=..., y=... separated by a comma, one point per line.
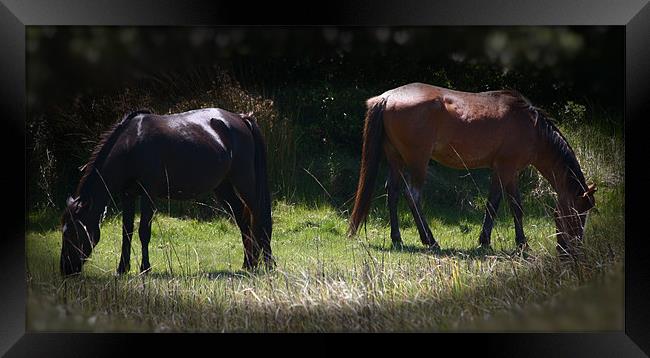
x=326, y=282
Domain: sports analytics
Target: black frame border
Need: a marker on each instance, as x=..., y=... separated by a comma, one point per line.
x=15, y=15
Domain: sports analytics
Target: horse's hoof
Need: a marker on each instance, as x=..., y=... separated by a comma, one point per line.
x=483, y=242
x=145, y=270
x=434, y=247
x=397, y=244
x=566, y=258
x=485, y=247
x=523, y=247
x=248, y=267
x=270, y=265
x=122, y=270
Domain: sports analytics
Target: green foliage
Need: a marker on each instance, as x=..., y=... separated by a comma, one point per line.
x=574, y=113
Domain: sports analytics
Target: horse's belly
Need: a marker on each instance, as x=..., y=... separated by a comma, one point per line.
x=461, y=158
x=470, y=145
x=186, y=181
x=184, y=174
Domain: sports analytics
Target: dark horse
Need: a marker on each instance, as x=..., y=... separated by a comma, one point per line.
x=500, y=130
x=177, y=156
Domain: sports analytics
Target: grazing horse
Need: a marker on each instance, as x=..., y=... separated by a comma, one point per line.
x=499, y=130
x=177, y=156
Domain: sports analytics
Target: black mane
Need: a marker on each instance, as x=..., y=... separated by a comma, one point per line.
x=555, y=139
x=563, y=151
x=106, y=141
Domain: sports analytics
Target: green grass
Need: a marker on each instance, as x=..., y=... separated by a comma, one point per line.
x=327, y=282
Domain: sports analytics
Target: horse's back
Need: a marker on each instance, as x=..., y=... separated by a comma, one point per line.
x=468, y=105
x=184, y=154
x=458, y=129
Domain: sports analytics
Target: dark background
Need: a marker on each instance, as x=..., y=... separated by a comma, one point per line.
x=581, y=61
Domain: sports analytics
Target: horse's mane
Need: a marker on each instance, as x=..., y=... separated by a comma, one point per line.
x=551, y=135
x=103, y=147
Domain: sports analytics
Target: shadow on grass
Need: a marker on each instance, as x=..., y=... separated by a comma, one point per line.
x=210, y=275
x=474, y=253
x=531, y=289
x=454, y=215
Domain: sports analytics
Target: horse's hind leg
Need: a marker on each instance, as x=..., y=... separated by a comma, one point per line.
x=413, y=190
x=393, y=189
x=128, y=215
x=144, y=231
x=242, y=215
x=491, y=209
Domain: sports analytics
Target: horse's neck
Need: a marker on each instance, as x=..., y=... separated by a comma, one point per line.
x=554, y=168
x=94, y=191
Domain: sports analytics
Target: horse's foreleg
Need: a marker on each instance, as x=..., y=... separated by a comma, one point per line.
x=567, y=246
x=514, y=198
x=128, y=214
x=393, y=189
x=491, y=209
x=144, y=231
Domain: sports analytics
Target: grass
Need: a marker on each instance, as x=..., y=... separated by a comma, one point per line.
x=327, y=282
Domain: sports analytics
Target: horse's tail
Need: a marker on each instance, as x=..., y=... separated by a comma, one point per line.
x=263, y=196
x=373, y=133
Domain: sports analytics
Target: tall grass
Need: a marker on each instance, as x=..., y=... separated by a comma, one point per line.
x=326, y=282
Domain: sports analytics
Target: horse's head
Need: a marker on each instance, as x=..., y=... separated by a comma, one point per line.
x=586, y=200
x=571, y=217
x=79, y=237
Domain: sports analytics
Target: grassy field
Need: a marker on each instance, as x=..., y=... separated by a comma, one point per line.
x=327, y=282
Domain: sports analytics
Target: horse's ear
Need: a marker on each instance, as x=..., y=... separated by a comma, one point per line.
x=591, y=189
x=70, y=201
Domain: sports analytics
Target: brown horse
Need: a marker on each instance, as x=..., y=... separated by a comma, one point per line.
x=500, y=130
x=176, y=156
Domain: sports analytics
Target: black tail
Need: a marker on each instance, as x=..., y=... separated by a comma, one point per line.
x=263, y=196
x=373, y=133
